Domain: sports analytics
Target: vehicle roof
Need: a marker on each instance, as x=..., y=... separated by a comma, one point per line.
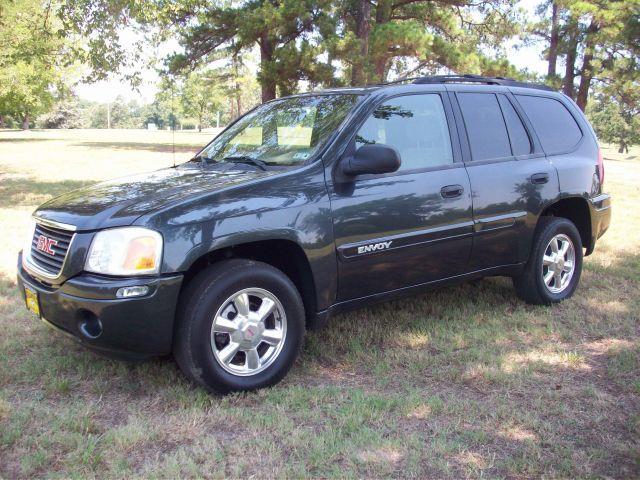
x=470, y=80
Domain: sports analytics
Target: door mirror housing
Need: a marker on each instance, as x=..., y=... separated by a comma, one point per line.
x=371, y=159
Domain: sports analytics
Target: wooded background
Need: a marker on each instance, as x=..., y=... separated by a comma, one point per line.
x=231, y=55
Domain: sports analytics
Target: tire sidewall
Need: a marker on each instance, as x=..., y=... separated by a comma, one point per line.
x=558, y=226
x=254, y=275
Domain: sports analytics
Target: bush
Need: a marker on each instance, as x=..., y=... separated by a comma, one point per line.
x=64, y=114
x=189, y=124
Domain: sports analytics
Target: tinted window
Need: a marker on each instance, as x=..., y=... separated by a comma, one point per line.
x=485, y=126
x=415, y=125
x=555, y=126
x=520, y=144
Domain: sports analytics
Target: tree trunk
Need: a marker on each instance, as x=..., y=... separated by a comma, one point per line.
x=363, y=30
x=25, y=122
x=586, y=72
x=267, y=82
x=2, y=124
x=381, y=69
x=384, y=11
x=553, y=41
x=585, y=81
x=570, y=69
x=232, y=107
x=623, y=147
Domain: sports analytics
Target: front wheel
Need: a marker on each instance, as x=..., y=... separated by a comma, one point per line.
x=553, y=271
x=240, y=326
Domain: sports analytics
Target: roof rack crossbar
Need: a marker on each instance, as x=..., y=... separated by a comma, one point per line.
x=509, y=82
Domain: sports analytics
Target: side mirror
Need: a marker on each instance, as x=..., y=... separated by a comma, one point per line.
x=374, y=158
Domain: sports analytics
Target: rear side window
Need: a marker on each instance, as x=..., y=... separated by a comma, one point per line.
x=520, y=143
x=486, y=130
x=555, y=126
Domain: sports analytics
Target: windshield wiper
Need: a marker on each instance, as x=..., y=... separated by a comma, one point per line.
x=201, y=158
x=247, y=159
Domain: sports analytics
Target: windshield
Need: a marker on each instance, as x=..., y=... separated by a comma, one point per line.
x=283, y=132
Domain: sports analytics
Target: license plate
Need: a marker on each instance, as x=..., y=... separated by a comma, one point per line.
x=31, y=298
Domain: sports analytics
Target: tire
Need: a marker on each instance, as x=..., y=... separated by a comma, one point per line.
x=218, y=293
x=531, y=285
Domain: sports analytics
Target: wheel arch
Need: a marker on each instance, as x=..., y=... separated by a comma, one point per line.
x=575, y=209
x=284, y=254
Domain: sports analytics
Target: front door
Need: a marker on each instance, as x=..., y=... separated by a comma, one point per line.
x=412, y=226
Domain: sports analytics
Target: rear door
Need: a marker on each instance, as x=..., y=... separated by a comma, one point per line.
x=411, y=226
x=511, y=179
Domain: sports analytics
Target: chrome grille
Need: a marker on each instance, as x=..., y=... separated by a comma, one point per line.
x=51, y=264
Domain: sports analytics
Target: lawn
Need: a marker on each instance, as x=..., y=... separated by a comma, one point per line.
x=461, y=382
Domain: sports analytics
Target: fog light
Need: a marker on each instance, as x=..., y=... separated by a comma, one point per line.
x=136, y=291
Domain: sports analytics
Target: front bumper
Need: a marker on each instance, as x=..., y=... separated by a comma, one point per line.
x=600, y=210
x=86, y=308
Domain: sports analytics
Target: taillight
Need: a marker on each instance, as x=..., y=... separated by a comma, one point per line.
x=600, y=167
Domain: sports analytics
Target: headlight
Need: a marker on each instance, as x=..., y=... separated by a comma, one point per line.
x=125, y=251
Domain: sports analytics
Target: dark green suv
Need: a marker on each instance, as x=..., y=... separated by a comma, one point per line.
x=317, y=203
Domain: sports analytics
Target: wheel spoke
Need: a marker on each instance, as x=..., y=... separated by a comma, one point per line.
x=548, y=277
x=564, y=248
x=558, y=279
x=225, y=325
x=547, y=260
x=554, y=245
x=568, y=266
x=272, y=336
x=253, y=359
x=228, y=352
x=266, y=308
x=242, y=304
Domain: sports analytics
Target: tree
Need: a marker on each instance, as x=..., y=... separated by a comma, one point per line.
x=415, y=36
x=201, y=96
x=280, y=29
x=615, y=114
x=322, y=42
x=65, y=113
x=32, y=56
x=592, y=36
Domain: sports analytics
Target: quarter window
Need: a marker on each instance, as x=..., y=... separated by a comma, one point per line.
x=416, y=126
x=520, y=143
x=485, y=126
x=555, y=126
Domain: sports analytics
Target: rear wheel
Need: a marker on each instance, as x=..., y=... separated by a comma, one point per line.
x=553, y=271
x=240, y=326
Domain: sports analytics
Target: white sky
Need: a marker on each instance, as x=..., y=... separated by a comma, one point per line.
x=107, y=91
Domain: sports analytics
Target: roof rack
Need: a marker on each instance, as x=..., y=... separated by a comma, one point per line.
x=509, y=82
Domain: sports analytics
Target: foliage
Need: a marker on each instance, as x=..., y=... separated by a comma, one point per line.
x=322, y=42
x=597, y=39
x=615, y=115
x=418, y=37
x=63, y=114
x=32, y=56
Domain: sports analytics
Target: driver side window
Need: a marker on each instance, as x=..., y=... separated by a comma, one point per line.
x=416, y=126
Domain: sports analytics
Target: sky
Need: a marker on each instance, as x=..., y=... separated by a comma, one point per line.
x=106, y=91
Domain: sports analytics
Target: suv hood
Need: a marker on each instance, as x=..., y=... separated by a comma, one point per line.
x=120, y=202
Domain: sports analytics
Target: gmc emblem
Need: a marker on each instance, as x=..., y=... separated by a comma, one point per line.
x=46, y=244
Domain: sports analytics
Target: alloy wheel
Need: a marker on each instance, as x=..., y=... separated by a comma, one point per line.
x=248, y=332
x=558, y=263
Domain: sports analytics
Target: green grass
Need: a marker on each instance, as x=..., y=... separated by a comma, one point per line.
x=461, y=382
